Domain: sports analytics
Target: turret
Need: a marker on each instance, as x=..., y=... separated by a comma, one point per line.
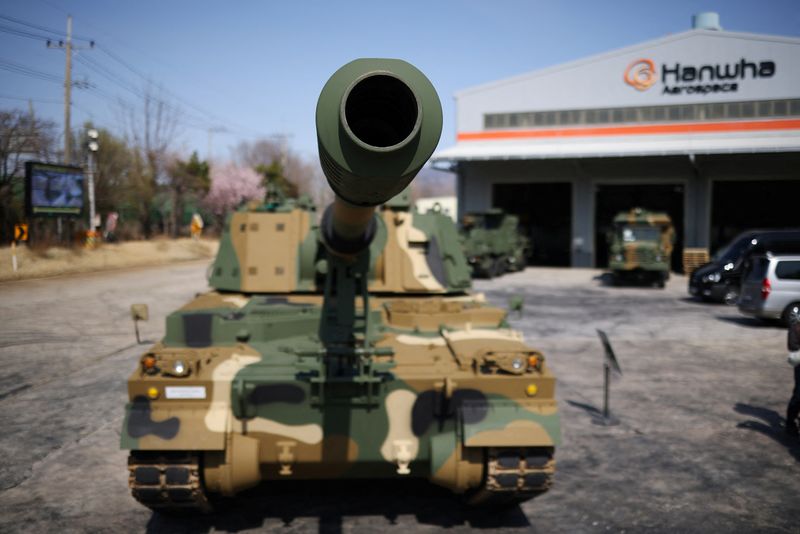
x=378, y=122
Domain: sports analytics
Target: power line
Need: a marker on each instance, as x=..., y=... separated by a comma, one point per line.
x=26, y=99
x=24, y=33
x=183, y=101
x=18, y=68
x=204, y=121
x=108, y=74
x=42, y=28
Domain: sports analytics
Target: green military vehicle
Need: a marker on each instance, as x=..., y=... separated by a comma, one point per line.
x=493, y=243
x=640, y=246
x=351, y=348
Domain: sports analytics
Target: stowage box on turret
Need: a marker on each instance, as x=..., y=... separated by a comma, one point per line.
x=348, y=349
x=640, y=246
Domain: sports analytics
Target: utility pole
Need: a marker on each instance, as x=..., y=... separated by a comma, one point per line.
x=67, y=46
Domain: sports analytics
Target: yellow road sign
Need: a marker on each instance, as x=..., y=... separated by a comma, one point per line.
x=21, y=232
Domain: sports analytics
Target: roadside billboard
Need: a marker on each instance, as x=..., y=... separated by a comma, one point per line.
x=53, y=190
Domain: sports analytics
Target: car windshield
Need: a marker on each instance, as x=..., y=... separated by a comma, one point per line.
x=640, y=233
x=733, y=251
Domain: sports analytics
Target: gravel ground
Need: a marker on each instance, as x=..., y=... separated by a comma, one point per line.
x=698, y=448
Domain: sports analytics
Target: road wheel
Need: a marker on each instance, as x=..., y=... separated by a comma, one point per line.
x=791, y=313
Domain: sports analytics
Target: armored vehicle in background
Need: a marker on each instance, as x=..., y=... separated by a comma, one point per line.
x=640, y=246
x=493, y=243
x=348, y=349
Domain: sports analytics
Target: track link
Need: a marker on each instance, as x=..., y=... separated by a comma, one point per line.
x=167, y=481
x=515, y=474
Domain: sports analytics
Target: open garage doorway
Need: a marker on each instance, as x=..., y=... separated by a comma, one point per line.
x=612, y=199
x=739, y=206
x=545, y=215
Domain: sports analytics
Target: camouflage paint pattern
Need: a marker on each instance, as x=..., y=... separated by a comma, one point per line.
x=248, y=357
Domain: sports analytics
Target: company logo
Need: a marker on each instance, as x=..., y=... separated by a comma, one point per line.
x=697, y=79
x=641, y=74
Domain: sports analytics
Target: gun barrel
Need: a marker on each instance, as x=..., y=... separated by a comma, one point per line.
x=378, y=122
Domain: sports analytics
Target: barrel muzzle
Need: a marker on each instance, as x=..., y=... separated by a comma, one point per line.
x=378, y=122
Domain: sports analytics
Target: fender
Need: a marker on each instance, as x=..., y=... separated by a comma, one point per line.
x=510, y=423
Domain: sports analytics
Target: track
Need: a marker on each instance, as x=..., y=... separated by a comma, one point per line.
x=167, y=481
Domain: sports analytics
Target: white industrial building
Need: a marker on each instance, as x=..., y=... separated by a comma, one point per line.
x=703, y=124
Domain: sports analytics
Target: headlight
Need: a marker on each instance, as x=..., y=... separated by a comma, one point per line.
x=728, y=266
x=179, y=367
x=713, y=277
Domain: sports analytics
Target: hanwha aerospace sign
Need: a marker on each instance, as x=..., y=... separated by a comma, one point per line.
x=703, y=79
x=641, y=74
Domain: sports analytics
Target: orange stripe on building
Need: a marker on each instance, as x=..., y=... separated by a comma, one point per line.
x=646, y=129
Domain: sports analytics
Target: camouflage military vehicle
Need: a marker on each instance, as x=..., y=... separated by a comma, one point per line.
x=640, y=246
x=493, y=243
x=347, y=349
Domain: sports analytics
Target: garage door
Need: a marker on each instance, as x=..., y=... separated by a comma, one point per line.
x=737, y=206
x=545, y=214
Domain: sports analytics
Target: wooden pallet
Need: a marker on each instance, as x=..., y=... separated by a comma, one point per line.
x=694, y=258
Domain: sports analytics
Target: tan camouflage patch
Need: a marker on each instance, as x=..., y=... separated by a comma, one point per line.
x=519, y=433
x=400, y=444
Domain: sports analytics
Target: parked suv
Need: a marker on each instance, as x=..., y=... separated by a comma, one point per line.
x=771, y=286
x=719, y=280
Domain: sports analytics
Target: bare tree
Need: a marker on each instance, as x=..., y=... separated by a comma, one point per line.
x=151, y=131
x=23, y=137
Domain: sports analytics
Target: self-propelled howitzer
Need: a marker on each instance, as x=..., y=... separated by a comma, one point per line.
x=351, y=350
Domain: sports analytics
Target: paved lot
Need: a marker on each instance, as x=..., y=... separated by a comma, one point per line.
x=699, y=447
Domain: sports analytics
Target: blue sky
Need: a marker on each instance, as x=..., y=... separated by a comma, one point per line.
x=250, y=69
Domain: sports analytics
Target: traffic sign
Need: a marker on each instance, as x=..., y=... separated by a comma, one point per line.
x=20, y=232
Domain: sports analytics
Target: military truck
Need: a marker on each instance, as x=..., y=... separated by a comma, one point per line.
x=493, y=243
x=640, y=246
x=351, y=348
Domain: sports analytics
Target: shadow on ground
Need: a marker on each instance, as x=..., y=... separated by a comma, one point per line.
x=698, y=300
x=750, y=322
x=769, y=423
x=331, y=501
x=607, y=280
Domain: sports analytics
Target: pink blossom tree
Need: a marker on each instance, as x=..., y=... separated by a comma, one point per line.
x=230, y=186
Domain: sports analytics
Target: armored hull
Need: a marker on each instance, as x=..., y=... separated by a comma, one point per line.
x=354, y=350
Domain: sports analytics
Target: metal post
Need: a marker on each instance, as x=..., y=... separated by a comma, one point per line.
x=93, y=146
x=91, y=190
x=606, y=388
